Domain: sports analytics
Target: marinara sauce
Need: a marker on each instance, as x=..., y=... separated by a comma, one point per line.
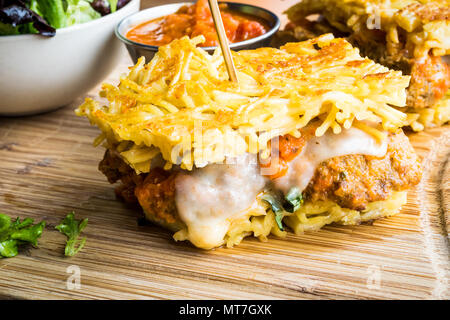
x=196, y=20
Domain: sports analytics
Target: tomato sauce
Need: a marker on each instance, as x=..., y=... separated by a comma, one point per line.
x=288, y=148
x=196, y=20
x=437, y=73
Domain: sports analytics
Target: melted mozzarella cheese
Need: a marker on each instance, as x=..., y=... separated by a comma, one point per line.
x=319, y=149
x=208, y=198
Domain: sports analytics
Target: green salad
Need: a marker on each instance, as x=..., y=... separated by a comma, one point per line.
x=45, y=16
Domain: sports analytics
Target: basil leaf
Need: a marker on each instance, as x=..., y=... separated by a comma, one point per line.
x=294, y=200
x=277, y=208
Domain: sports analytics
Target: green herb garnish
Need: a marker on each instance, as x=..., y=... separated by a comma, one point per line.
x=294, y=200
x=16, y=233
x=277, y=207
x=72, y=229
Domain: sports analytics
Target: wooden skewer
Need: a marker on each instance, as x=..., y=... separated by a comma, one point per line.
x=223, y=40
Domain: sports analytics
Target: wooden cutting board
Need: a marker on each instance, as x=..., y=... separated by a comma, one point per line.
x=49, y=168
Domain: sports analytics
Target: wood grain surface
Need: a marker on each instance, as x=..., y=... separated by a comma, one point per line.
x=49, y=167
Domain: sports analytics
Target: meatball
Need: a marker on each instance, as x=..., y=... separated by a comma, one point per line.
x=353, y=181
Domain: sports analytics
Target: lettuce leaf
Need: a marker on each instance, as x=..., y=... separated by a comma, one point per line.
x=80, y=11
x=101, y=6
x=113, y=5
x=8, y=29
x=17, y=18
x=53, y=12
x=44, y=16
x=105, y=7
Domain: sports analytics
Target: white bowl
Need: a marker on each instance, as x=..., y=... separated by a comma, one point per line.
x=38, y=74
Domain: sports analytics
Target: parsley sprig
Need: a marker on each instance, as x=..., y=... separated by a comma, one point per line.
x=16, y=233
x=72, y=229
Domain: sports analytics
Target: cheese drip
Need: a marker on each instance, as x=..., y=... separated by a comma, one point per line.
x=208, y=199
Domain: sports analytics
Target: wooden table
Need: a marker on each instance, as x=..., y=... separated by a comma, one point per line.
x=49, y=167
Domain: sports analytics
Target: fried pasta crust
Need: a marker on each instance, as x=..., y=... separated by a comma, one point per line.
x=165, y=106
